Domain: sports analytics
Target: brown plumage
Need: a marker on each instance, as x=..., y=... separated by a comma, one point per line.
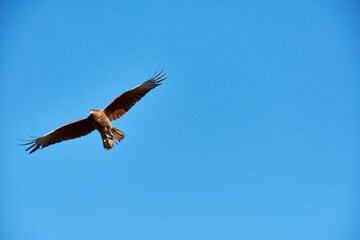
x=99, y=119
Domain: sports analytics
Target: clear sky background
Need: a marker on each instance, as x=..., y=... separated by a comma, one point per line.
x=254, y=135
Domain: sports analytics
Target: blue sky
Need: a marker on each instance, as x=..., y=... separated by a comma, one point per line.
x=254, y=135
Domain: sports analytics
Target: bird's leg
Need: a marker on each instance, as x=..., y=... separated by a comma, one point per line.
x=109, y=134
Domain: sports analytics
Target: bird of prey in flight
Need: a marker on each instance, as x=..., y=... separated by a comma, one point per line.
x=99, y=119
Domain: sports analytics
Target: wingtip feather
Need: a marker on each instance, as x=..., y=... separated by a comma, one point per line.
x=158, y=77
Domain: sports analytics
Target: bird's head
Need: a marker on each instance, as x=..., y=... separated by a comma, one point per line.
x=93, y=111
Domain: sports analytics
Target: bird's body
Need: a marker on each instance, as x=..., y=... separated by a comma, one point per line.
x=109, y=134
x=99, y=120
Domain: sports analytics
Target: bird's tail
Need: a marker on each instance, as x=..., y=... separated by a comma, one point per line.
x=111, y=137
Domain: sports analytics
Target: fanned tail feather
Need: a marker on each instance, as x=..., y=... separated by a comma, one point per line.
x=117, y=136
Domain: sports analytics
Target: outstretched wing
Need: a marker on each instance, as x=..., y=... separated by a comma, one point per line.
x=127, y=100
x=69, y=131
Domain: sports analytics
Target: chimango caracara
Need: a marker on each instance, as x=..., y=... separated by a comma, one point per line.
x=99, y=119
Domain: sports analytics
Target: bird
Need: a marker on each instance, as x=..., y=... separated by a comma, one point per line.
x=99, y=120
